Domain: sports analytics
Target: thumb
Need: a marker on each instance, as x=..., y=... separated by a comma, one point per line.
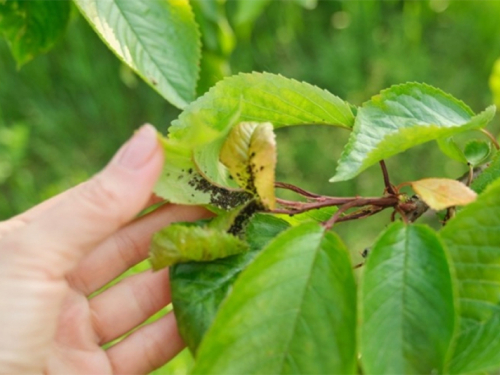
x=92, y=211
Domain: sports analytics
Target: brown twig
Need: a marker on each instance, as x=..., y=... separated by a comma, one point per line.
x=296, y=189
x=387, y=182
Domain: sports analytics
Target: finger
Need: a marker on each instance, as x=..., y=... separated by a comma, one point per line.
x=26, y=217
x=127, y=247
x=94, y=210
x=129, y=303
x=147, y=349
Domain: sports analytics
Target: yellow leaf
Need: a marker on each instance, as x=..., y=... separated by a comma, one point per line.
x=441, y=193
x=249, y=153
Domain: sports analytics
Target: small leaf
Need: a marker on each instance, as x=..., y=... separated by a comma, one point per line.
x=476, y=152
x=473, y=240
x=199, y=288
x=249, y=153
x=291, y=311
x=488, y=176
x=158, y=39
x=450, y=148
x=318, y=216
x=407, y=304
x=402, y=117
x=196, y=137
x=179, y=243
x=32, y=27
x=441, y=193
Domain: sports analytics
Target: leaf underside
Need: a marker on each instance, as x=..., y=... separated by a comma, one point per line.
x=406, y=303
x=402, y=117
x=291, y=311
x=158, y=39
x=196, y=137
x=473, y=240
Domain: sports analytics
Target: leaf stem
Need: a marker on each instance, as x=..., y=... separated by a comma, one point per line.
x=492, y=138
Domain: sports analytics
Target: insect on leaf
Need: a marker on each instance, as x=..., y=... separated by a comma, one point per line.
x=441, y=193
x=249, y=153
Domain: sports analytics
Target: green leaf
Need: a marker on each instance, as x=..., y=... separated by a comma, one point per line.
x=473, y=239
x=200, y=131
x=450, y=148
x=291, y=311
x=32, y=27
x=199, y=288
x=406, y=304
x=249, y=153
x=476, y=152
x=158, y=39
x=318, y=216
x=248, y=11
x=488, y=176
x=179, y=243
x=402, y=117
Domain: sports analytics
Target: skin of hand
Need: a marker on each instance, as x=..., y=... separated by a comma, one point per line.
x=54, y=256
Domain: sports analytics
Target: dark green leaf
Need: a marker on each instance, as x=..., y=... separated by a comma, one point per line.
x=402, y=117
x=32, y=27
x=476, y=152
x=488, y=176
x=158, y=39
x=407, y=303
x=291, y=311
x=473, y=239
x=179, y=243
x=199, y=288
x=200, y=131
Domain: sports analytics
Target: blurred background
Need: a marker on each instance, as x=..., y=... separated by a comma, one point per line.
x=64, y=114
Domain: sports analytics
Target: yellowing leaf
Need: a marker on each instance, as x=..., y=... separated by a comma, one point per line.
x=440, y=193
x=249, y=153
x=180, y=244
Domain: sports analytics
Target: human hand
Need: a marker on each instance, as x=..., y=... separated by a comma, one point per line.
x=55, y=255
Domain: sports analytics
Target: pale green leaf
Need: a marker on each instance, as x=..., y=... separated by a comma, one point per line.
x=199, y=288
x=249, y=153
x=476, y=152
x=178, y=243
x=407, y=304
x=441, y=193
x=32, y=27
x=488, y=176
x=318, y=215
x=450, y=148
x=402, y=117
x=291, y=311
x=473, y=239
x=201, y=129
x=158, y=39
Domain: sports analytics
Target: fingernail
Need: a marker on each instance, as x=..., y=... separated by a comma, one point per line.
x=139, y=149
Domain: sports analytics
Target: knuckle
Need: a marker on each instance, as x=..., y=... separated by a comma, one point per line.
x=130, y=249
x=99, y=195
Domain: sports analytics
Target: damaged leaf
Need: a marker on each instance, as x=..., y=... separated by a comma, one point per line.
x=250, y=155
